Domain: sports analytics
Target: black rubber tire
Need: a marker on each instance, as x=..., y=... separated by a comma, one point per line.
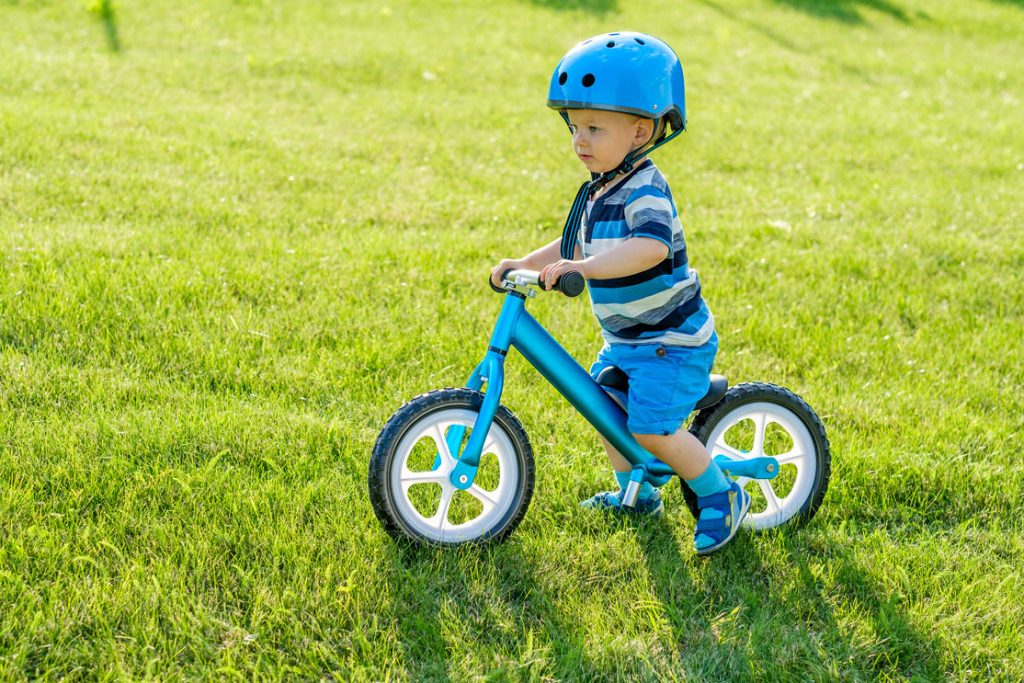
x=382, y=459
x=762, y=392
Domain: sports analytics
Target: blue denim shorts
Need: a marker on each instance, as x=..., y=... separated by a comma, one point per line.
x=665, y=382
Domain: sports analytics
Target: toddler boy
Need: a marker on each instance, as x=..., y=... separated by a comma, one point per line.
x=621, y=93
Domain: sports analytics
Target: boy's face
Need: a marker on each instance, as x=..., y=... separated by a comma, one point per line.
x=602, y=139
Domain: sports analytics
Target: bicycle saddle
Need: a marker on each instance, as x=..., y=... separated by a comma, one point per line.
x=614, y=378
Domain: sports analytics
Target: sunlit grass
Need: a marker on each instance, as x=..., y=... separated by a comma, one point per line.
x=232, y=245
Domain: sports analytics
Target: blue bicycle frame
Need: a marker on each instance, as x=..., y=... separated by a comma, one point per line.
x=517, y=328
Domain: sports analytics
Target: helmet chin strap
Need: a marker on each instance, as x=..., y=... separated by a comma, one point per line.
x=597, y=181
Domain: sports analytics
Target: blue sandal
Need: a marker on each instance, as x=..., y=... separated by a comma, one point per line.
x=612, y=502
x=720, y=517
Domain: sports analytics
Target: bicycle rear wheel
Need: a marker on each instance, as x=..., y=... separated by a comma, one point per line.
x=757, y=419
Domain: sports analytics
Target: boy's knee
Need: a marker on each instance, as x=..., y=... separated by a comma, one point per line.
x=652, y=441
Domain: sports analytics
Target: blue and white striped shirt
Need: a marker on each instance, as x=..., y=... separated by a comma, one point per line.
x=660, y=305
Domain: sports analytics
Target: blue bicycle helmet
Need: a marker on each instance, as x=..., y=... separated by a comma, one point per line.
x=633, y=73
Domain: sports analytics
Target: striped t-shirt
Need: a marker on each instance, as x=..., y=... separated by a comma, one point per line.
x=662, y=304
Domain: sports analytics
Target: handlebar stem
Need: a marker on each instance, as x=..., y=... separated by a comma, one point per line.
x=521, y=281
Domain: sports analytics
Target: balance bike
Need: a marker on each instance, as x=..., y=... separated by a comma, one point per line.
x=454, y=466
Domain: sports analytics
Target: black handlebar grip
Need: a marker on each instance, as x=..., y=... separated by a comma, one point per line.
x=571, y=283
x=499, y=290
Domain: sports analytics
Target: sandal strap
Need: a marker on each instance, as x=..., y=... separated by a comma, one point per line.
x=720, y=518
x=608, y=498
x=718, y=501
x=716, y=528
x=719, y=526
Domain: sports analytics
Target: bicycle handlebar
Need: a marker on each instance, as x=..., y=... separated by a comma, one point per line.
x=570, y=284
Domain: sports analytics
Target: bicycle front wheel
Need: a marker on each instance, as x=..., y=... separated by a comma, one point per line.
x=414, y=455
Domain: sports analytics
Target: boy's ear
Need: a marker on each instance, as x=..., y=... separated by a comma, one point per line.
x=644, y=132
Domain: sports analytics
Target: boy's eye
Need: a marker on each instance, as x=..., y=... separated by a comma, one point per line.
x=594, y=129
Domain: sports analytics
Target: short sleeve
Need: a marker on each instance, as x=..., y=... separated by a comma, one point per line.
x=648, y=213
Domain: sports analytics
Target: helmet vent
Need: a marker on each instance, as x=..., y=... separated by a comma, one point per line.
x=611, y=43
x=639, y=41
x=588, y=80
x=563, y=78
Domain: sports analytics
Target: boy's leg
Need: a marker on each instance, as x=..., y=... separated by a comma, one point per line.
x=622, y=470
x=723, y=504
x=619, y=462
x=682, y=451
x=649, y=500
x=665, y=383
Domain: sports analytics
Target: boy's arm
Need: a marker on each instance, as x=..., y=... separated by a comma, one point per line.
x=535, y=260
x=635, y=255
x=539, y=258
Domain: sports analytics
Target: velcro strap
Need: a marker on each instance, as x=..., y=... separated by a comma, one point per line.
x=712, y=525
x=718, y=500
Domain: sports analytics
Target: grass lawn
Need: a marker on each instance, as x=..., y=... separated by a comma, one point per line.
x=235, y=236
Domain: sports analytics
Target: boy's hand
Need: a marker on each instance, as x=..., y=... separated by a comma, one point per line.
x=550, y=274
x=506, y=264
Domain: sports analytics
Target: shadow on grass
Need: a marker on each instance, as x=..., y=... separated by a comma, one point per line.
x=417, y=598
x=442, y=607
x=593, y=6
x=763, y=607
x=900, y=648
x=759, y=624
x=846, y=11
x=104, y=11
x=766, y=32
x=781, y=40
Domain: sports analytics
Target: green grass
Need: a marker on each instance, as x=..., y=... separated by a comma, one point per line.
x=236, y=236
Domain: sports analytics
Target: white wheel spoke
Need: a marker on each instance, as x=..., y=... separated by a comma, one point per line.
x=760, y=426
x=730, y=451
x=442, y=444
x=790, y=457
x=770, y=497
x=440, y=518
x=426, y=477
x=488, y=498
x=801, y=453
